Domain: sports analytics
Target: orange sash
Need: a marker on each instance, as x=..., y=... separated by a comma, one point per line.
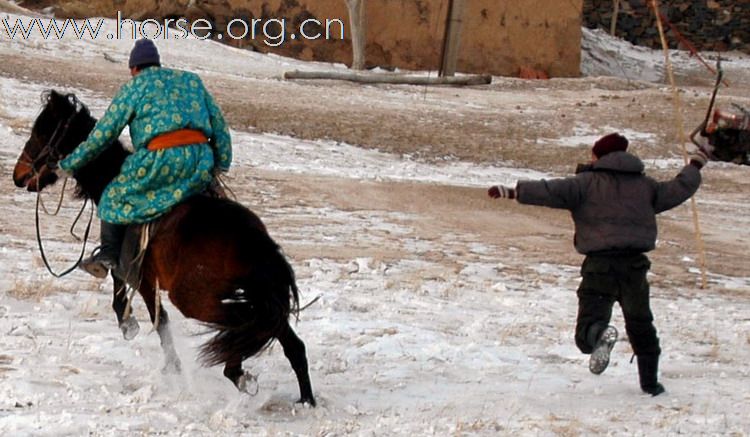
x=181, y=137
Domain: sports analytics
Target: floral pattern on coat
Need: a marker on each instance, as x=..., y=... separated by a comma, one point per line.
x=154, y=102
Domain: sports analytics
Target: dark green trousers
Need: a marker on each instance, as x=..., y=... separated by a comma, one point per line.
x=616, y=278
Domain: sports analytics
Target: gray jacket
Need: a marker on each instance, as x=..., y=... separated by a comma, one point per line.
x=613, y=203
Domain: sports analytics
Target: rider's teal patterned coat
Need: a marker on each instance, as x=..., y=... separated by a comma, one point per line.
x=156, y=101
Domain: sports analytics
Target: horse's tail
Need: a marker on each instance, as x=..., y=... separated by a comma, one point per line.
x=256, y=312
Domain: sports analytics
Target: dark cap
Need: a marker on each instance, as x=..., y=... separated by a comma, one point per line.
x=144, y=53
x=610, y=143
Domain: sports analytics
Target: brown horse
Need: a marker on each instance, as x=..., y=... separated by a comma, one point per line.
x=213, y=256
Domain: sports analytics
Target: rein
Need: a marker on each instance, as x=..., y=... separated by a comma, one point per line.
x=59, y=202
x=50, y=154
x=85, y=237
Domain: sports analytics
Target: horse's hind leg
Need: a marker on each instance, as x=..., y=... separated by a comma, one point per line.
x=172, y=364
x=127, y=323
x=242, y=379
x=294, y=349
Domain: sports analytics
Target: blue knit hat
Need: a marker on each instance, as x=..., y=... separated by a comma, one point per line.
x=144, y=52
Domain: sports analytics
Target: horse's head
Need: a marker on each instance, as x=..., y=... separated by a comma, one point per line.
x=56, y=132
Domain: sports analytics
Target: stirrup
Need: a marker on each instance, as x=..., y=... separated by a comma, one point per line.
x=94, y=268
x=96, y=265
x=600, y=356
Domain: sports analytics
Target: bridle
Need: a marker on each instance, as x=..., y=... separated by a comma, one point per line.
x=50, y=155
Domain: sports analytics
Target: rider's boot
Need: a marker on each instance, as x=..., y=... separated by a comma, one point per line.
x=107, y=256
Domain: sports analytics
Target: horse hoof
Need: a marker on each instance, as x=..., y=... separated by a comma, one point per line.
x=248, y=383
x=129, y=328
x=307, y=401
x=172, y=368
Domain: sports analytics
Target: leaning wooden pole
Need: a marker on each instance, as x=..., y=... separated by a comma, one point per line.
x=677, y=101
x=615, y=13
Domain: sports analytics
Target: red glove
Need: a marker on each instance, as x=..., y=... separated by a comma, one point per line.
x=501, y=192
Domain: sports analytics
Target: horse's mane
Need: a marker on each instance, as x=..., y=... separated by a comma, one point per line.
x=96, y=175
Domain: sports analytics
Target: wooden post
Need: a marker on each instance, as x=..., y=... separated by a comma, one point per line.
x=358, y=24
x=615, y=13
x=452, y=38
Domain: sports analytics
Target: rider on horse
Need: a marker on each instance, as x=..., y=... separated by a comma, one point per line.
x=180, y=142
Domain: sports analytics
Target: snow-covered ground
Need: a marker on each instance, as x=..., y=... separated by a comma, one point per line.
x=603, y=55
x=425, y=325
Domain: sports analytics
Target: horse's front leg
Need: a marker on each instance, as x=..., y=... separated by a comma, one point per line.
x=172, y=364
x=127, y=322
